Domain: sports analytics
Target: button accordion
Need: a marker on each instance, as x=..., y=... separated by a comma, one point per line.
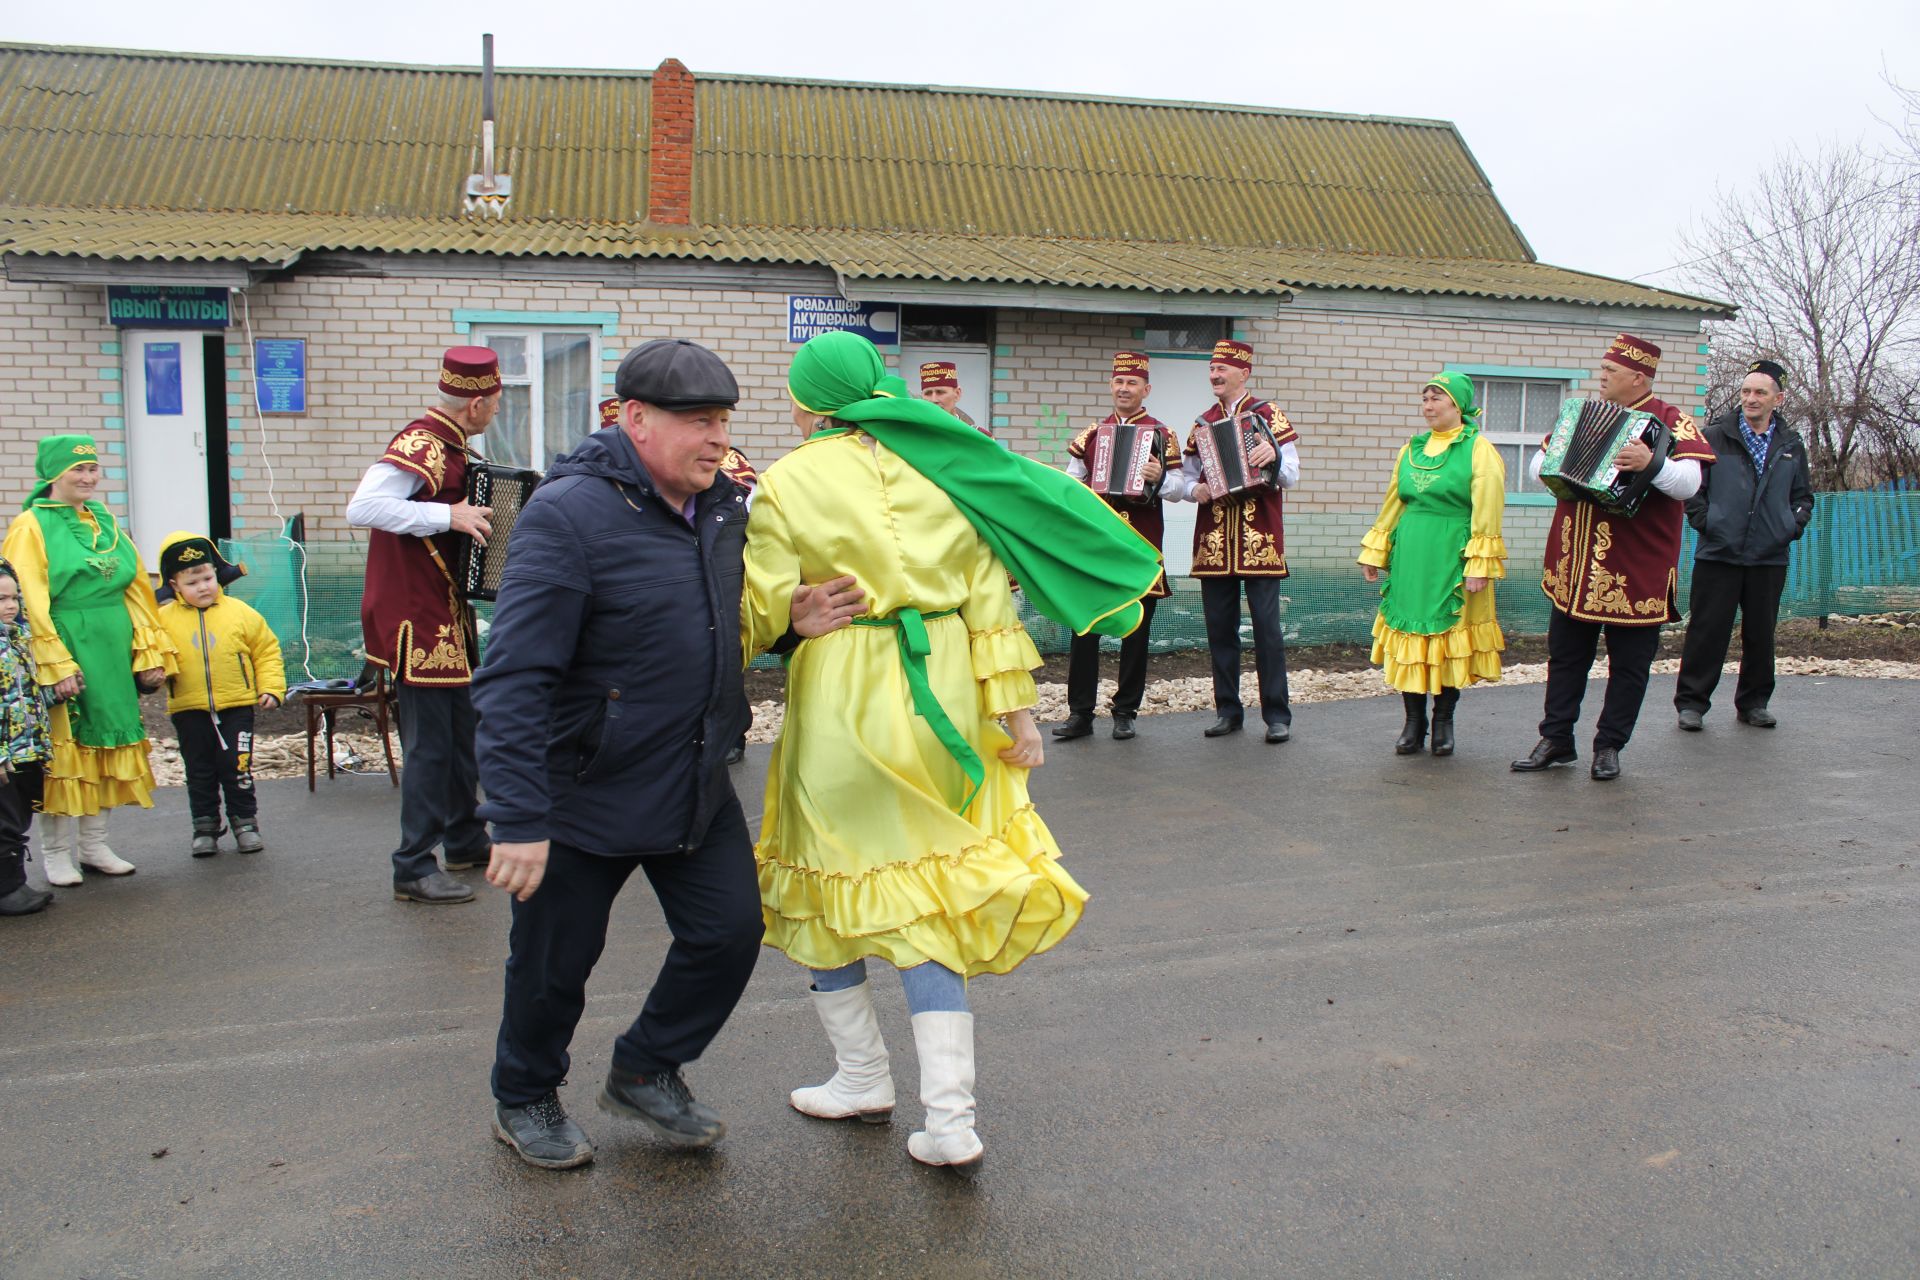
x=477, y=569
x=1579, y=458
x=1223, y=447
x=1117, y=457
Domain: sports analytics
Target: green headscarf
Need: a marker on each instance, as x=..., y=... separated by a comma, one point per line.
x=56, y=456
x=1077, y=560
x=1459, y=389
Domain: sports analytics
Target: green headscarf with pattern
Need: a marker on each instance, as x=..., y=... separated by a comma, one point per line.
x=1459, y=389
x=56, y=456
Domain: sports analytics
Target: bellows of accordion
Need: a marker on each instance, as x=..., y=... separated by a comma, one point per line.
x=1581, y=455
x=1117, y=456
x=1223, y=447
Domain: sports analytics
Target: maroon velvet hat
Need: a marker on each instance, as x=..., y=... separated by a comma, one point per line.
x=610, y=411
x=1131, y=364
x=470, y=372
x=1634, y=353
x=1234, y=352
x=939, y=373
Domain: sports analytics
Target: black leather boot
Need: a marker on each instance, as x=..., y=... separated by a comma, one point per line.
x=1443, y=704
x=1077, y=725
x=206, y=837
x=1414, y=735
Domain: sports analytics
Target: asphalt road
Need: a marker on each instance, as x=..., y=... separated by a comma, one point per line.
x=1331, y=1012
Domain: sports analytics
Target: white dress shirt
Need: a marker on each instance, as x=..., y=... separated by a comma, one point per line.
x=384, y=500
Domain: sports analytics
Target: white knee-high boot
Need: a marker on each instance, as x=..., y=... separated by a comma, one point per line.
x=56, y=850
x=945, y=1043
x=93, y=851
x=863, y=1085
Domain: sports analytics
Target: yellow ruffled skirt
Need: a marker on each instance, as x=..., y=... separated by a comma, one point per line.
x=83, y=780
x=861, y=852
x=1466, y=653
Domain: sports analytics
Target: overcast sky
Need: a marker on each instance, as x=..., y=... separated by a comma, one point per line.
x=1605, y=128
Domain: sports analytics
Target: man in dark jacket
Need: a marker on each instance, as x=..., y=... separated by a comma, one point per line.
x=610, y=695
x=1748, y=513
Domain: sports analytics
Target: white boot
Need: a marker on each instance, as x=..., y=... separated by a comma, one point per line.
x=945, y=1042
x=863, y=1086
x=93, y=851
x=56, y=850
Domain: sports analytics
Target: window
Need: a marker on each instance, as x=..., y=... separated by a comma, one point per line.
x=947, y=326
x=551, y=400
x=1515, y=414
x=1178, y=334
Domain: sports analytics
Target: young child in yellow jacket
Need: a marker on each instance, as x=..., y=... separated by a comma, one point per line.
x=229, y=665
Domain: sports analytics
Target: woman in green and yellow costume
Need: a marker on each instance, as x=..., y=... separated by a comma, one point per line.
x=97, y=643
x=897, y=824
x=1437, y=538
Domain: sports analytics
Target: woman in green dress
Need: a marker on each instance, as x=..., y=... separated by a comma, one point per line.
x=97, y=645
x=1437, y=538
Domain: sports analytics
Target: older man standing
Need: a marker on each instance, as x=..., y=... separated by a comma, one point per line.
x=1749, y=511
x=940, y=383
x=610, y=696
x=1614, y=575
x=419, y=626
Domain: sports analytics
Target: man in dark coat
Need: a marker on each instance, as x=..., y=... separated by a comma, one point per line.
x=1748, y=511
x=610, y=695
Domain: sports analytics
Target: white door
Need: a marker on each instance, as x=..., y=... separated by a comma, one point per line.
x=973, y=365
x=166, y=434
x=1180, y=394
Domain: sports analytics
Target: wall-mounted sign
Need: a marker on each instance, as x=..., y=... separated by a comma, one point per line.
x=809, y=317
x=280, y=374
x=166, y=306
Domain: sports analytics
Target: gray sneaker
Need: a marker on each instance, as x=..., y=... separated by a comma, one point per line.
x=663, y=1103
x=246, y=837
x=542, y=1133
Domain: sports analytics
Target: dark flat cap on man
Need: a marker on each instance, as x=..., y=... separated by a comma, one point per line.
x=674, y=373
x=1772, y=370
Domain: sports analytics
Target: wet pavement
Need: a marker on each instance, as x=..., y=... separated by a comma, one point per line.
x=1331, y=1012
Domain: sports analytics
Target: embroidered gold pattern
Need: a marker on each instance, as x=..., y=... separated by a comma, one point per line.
x=189, y=554
x=447, y=654
x=1257, y=548
x=426, y=452
x=1685, y=428
x=484, y=382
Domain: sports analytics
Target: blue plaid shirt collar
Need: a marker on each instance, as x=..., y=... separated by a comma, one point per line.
x=1756, y=443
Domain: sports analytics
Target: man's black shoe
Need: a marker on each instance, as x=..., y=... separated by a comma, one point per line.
x=663, y=1103
x=1122, y=726
x=1278, y=733
x=1545, y=755
x=542, y=1133
x=1222, y=727
x=468, y=861
x=24, y=901
x=1759, y=718
x=1076, y=726
x=437, y=888
x=736, y=755
x=1692, y=721
x=1606, y=764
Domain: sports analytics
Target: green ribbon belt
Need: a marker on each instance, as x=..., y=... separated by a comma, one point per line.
x=911, y=626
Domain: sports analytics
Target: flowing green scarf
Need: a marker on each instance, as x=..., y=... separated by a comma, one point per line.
x=1077, y=560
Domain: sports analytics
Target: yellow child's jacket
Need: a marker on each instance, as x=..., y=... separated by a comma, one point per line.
x=226, y=650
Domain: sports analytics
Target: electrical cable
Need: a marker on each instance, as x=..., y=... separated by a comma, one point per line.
x=273, y=494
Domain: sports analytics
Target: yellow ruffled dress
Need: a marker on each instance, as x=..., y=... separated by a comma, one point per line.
x=861, y=852
x=83, y=780
x=1469, y=651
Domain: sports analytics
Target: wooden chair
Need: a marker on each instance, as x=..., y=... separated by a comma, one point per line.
x=375, y=702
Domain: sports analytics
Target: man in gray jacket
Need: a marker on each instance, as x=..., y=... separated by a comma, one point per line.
x=1748, y=512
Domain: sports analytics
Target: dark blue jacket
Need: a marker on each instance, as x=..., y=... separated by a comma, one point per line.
x=612, y=688
x=1748, y=517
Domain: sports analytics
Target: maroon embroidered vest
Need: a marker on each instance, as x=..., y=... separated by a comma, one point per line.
x=417, y=625
x=1147, y=517
x=1243, y=537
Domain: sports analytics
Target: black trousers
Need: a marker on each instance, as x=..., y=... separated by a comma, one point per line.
x=19, y=797
x=1571, y=646
x=440, y=785
x=711, y=899
x=219, y=758
x=1718, y=590
x=1220, y=597
x=1083, y=669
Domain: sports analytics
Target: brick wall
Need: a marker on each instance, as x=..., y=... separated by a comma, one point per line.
x=59, y=372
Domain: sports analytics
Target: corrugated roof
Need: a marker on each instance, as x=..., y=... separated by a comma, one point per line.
x=178, y=157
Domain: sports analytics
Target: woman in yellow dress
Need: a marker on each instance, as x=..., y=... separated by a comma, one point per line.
x=1438, y=539
x=897, y=823
x=97, y=644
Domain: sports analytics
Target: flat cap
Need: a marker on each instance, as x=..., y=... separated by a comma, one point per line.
x=675, y=374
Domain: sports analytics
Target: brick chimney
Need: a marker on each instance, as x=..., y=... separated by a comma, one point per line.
x=670, y=158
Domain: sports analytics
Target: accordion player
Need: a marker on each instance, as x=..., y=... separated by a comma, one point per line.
x=1579, y=459
x=476, y=569
x=1224, y=445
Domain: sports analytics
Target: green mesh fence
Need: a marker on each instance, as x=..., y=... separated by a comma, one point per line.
x=1861, y=555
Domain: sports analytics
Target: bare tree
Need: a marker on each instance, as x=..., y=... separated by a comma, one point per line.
x=1822, y=256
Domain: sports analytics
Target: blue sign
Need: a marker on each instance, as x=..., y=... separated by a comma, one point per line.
x=163, y=378
x=165, y=306
x=280, y=374
x=809, y=317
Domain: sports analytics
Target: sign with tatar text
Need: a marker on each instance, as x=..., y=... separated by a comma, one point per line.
x=809, y=317
x=166, y=306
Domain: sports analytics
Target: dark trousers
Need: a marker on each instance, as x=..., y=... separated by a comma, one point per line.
x=19, y=797
x=711, y=899
x=1571, y=646
x=219, y=757
x=1718, y=590
x=440, y=785
x=1083, y=669
x=1220, y=598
